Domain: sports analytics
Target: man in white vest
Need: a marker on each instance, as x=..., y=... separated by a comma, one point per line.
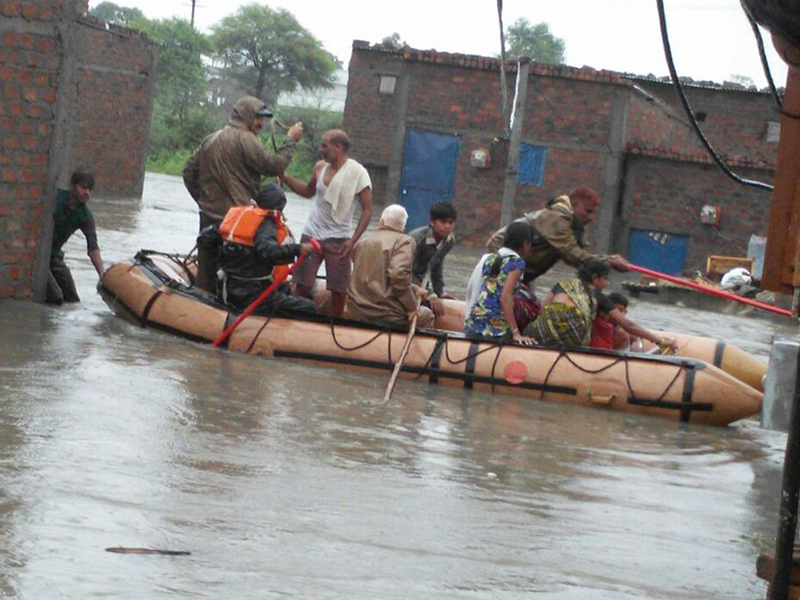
x=337, y=184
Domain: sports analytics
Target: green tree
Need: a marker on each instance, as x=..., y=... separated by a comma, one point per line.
x=393, y=42
x=268, y=52
x=118, y=15
x=535, y=41
x=181, y=117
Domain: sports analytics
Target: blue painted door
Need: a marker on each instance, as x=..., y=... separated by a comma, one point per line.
x=429, y=173
x=663, y=252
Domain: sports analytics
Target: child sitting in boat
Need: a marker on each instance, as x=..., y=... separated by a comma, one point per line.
x=571, y=306
x=493, y=286
x=434, y=241
x=254, y=241
x=612, y=330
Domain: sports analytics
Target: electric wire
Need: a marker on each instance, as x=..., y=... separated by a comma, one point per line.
x=687, y=107
x=764, y=63
x=503, y=83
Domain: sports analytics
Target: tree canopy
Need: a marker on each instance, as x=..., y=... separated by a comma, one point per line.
x=535, y=41
x=180, y=116
x=268, y=52
x=393, y=42
x=118, y=15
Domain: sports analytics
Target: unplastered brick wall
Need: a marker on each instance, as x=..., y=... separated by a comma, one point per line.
x=666, y=196
x=734, y=120
x=567, y=111
x=30, y=61
x=72, y=94
x=114, y=84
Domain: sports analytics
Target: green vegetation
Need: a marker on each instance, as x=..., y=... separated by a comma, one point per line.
x=535, y=41
x=257, y=51
x=267, y=52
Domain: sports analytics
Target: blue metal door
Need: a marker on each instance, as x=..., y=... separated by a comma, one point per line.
x=658, y=251
x=429, y=173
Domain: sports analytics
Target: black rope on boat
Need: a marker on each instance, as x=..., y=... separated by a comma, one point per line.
x=466, y=358
x=590, y=371
x=258, y=334
x=561, y=353
x=442, y=339
x=663, y=394
x=500, y=347
x=365, y=344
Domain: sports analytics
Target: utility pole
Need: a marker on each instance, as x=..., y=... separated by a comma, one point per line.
x=512, y=160
x=193, y=3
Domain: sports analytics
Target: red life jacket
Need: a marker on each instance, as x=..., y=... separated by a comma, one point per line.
x=602, y=333
x=242, y=222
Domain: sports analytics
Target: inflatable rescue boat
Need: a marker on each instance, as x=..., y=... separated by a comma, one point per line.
x=155, y=290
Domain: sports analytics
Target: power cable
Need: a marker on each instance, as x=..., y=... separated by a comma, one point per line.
x=503, y=83
x=764, y=63
x=682, y=95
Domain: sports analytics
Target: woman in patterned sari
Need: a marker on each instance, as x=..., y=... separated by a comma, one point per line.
x=571, y=306
x=493, y=286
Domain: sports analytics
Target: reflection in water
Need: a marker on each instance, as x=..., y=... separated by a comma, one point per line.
x=285, y=479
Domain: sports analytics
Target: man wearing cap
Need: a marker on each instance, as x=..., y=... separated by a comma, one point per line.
x=227, y=168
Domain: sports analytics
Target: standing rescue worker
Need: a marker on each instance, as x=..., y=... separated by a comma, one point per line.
x=226, y=170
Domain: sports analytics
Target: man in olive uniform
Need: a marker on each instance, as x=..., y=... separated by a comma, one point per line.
x=558, y=234
x=227, y=168
x=72, y=213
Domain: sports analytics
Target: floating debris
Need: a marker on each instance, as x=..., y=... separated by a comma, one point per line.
x=123, y=550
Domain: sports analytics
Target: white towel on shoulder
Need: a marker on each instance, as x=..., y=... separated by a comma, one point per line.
x=348, y=181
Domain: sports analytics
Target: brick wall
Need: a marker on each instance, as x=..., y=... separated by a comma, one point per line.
x=29, y=75
x=58, y=73
x=114, y=84
x=666, y=196
x=735, y=121
x=567, y=111
x=653, y=175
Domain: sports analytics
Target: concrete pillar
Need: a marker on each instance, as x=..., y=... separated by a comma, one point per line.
x=395, y=170
x=518, y=119
x=606, y=228
x=60, y=143
x=779, y=387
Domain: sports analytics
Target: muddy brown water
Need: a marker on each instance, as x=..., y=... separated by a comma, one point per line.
x=285, y=480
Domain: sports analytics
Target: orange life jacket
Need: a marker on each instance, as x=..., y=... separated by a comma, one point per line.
x=242, y=222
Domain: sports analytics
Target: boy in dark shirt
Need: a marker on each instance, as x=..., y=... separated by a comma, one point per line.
x=434, y=241
x=71, y=214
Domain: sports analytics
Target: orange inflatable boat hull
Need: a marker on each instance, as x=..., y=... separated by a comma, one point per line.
x=155, y=291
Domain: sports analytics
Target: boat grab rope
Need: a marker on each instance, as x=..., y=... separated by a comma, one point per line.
x=622, y=359
x=365, y=344
x=258, y=333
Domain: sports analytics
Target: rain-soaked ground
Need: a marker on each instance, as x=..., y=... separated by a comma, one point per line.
x=285, y=480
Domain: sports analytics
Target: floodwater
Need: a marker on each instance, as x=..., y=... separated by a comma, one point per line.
x=284, y=480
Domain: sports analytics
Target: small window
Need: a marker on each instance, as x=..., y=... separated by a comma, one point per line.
x=773, y=131
x=387, y=84
x=531, y=164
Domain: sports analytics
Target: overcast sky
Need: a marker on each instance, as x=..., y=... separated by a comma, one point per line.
x=711, y=39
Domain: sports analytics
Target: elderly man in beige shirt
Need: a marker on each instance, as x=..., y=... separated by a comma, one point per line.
x=380, y=291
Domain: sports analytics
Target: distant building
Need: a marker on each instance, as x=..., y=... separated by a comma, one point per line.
x=428, y=126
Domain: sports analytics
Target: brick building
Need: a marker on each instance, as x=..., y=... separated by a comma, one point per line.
x=74, y=93
x=417, y=119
